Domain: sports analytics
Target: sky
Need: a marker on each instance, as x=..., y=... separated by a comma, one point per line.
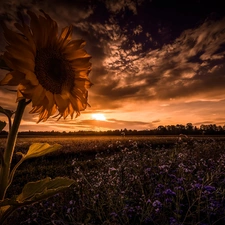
x=153, y=62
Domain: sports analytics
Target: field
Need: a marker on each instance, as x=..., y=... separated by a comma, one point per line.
x=127, y=180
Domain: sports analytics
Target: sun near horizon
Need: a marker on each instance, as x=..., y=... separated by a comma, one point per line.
x=98, y=116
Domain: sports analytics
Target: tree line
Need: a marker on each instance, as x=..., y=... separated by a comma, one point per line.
x=188, y=129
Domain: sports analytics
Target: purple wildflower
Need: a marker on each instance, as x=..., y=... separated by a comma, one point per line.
x=209, y=188
x=169, y=192
x=157, y=204
x=113, y=214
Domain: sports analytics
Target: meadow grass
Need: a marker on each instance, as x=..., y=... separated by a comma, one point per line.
x=131, y=180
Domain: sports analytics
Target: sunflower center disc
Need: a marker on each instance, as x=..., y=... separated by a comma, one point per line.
x=53, y=71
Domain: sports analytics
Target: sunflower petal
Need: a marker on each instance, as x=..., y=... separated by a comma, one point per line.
x=65, y=37
x=77, y=104
x=19, y=96
x=52, y=29
x=81, y=64
x=50, y=98
x=66, y=33
x=51, y=103
x=43, y=116
x=37, y=109
x=14, y=38
x=61, y=102
x=82, y=84
x=76, y=54
x=76, y=44
x=71, y=111
x=38, y=95
x=26, y=31
x=20, y=63
x=36, y=28
x=18, y=59
x=16, y=51
x=82, y=74
x=13, y=78
x=45, y=29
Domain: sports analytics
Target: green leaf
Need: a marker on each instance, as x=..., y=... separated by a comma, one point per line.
x=39, y=149
x=35, y=191
x=3, y=209
x=2, y=125
x=35, y=150
x=39, y=190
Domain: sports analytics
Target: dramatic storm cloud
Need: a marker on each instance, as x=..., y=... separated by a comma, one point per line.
x=152, y=63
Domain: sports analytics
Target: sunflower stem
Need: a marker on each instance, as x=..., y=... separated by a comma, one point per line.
x=10, y=147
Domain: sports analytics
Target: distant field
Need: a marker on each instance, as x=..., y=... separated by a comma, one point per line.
x=95, y=143
x=152, y=180
x=89, y=143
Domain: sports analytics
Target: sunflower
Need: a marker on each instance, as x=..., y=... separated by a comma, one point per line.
x=49, y=69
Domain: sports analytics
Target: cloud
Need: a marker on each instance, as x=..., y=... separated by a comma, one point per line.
x=138, y=61
x=66, y=11
x=120, y=5
x=190, y=66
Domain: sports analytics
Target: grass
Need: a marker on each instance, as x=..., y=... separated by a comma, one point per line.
x=131, y=180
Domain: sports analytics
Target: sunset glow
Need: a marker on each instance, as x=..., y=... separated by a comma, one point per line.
x=98, y=116
x=151, y=65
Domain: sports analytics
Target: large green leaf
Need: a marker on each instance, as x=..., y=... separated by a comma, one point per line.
x=36, y=191
x=39, y=149
x=33, y=192
x=35, y=150
x=39, y=190
x=2, y=125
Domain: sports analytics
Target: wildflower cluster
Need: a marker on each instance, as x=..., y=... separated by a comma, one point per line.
x=130, y=182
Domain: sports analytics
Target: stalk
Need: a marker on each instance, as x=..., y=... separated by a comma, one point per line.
x=10, y=147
